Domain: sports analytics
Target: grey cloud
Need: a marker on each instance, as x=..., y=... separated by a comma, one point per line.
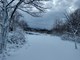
x=57, y=10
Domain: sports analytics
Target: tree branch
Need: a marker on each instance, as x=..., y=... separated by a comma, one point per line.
x=17, y=5
x=10, y=3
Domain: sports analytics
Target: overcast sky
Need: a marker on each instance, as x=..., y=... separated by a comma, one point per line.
x=56, y=12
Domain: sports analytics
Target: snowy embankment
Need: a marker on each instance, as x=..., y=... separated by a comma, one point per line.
x=46, y=47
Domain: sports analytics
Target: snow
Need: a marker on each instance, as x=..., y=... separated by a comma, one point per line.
x=46, y=47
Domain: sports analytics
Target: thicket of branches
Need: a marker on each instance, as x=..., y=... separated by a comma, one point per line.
x=71, y=25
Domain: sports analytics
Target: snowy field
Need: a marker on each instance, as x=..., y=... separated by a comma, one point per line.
x=46, y=47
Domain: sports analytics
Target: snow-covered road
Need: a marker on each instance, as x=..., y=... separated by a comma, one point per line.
x=46, y=47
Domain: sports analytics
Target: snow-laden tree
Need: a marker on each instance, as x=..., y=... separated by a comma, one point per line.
x=7, y=11
x=73, y=25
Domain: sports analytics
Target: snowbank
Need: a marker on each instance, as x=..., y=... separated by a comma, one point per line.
x=46, y=47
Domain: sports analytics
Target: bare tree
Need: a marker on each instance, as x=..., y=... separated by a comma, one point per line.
x=7, y=10
x=73, y=24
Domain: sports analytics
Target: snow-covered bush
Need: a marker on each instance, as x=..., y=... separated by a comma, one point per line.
x=70, y=37
x=16, y=39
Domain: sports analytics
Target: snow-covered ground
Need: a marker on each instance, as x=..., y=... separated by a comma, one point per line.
x=46, y=47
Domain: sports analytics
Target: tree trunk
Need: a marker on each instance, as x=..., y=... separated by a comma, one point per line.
x=76, y=44
x=75, y=39
x=4, y=29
